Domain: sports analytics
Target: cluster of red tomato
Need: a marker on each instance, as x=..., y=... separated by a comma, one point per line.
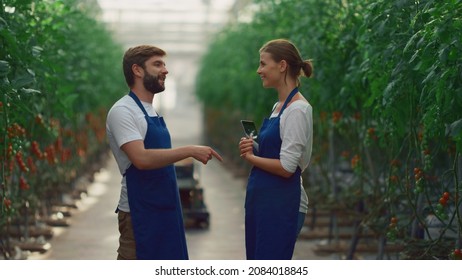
x=444, y=199
x=7, y=203
x=23, y=184
x=419, y=183
x=336, y=117
x=442, y=202
x=16, y=130
x=395, y=165
x=370, y=136
x=36, y=150
x=392, y=231
x=394, y=179
x=355, y=162
x=456, y=254
x=22, y=165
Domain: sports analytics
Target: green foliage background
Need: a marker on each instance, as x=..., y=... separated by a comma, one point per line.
x=60, y=71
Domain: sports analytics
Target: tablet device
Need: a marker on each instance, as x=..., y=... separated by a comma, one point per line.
x=249, y=128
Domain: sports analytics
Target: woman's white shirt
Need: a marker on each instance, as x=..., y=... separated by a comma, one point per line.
x=296, y=132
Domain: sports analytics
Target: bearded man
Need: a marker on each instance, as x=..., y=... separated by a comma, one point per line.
x=149, y=208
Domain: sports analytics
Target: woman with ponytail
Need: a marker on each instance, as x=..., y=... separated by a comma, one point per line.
x=276, y=202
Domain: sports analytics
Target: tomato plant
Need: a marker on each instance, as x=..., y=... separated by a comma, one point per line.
x=53, y=100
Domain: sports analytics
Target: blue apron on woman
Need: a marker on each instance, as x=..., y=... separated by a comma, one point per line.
x=153, y=197
x=272, y=202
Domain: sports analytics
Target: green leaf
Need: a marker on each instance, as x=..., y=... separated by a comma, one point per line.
x=22, y=80
x=411, y=41
x=414, y=56
x=29, y=91
x=37, y=51
x=4, y=68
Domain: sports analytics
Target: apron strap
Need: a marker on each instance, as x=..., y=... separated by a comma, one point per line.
x=289, y=98
x=138, y=102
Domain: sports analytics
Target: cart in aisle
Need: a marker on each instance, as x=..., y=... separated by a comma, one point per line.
x=195, y=211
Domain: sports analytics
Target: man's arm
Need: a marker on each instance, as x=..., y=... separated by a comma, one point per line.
x=156, y=158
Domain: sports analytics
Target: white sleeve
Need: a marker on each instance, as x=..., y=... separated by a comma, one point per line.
x=295, y=133
x=123, y=126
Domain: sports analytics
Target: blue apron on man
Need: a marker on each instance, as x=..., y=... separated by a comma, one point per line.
x=154, y=201
x=272, y=202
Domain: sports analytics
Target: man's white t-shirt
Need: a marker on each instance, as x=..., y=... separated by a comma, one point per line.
x=125, y=123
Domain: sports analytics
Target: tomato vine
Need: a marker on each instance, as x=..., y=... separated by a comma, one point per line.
x=57, y=78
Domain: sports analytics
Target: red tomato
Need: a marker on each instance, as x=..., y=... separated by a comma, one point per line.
x=446, y=195
x=443, y=201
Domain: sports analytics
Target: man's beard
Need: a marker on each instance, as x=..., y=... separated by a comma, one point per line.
x=151, y=83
